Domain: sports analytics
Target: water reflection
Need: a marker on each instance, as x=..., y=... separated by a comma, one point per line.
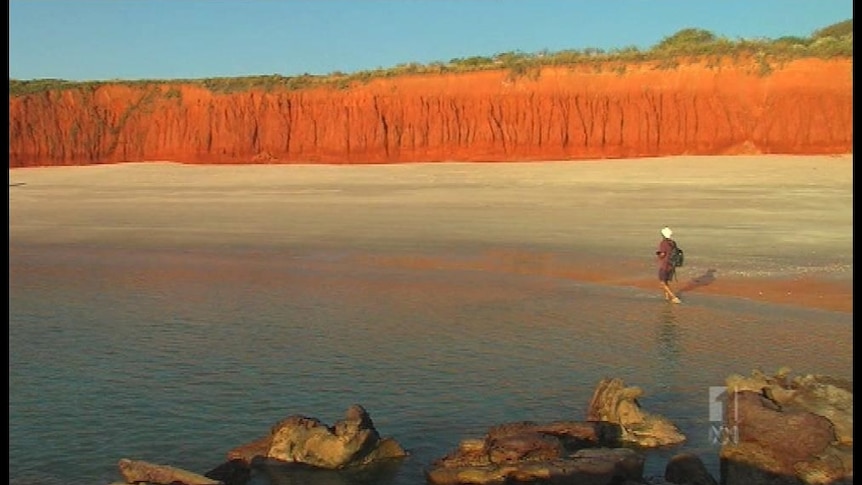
x=668, y=346
x=484, y=347
x=294, y=474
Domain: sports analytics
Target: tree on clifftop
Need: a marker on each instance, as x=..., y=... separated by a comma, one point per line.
x=686, y=39
x=835, y=30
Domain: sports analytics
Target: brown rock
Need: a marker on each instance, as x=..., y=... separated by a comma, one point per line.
x=791, y=435
x=615, y=403
x=248, y=452
x=233, y=472
x=688, y=469
x=775, y=443
x=596, y=466
x=353, y=441
x=557, y=452
x=136, y=471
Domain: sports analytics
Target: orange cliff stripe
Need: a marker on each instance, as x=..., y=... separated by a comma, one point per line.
x=561, y=113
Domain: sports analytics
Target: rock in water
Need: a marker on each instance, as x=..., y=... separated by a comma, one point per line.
x=353, y=441
x=787, y=431
x=615, y=403
x=136, y=471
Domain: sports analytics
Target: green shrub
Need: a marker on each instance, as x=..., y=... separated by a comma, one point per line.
x=835, y=40
x=686, y=40
x=839, y=29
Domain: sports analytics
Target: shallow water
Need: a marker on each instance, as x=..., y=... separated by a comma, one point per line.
x=175, y=356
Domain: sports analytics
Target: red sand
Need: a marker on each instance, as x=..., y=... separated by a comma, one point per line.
x=809, y=292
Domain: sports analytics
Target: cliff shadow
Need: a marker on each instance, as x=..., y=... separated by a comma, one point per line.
x=705, y=279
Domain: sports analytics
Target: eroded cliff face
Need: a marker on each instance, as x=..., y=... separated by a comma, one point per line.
x=802, y=107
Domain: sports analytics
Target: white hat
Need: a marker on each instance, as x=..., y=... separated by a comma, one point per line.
x=666, y=232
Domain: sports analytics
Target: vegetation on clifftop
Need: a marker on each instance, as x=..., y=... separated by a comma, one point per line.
x=833, y=41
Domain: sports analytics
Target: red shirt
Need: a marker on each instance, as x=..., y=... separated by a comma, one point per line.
x=663, y=252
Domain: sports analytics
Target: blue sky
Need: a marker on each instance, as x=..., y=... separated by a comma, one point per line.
x=81, y=40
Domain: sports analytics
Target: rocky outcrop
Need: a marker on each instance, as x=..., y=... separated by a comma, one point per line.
x=687, y=469
x=591, y=451
x=780, y=430
x=137, y=471
x=351, y=442
x=615, y=403
x=559, y=113
x=787, y=431
x=560, y=452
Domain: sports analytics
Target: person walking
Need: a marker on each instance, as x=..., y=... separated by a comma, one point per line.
x=666, y=269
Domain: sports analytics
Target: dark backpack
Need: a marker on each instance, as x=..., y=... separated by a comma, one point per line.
x=677, y=256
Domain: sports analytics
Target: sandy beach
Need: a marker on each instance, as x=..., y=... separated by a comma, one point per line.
x=767, y=228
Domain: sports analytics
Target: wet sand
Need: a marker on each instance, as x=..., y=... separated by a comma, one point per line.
x=767, y=228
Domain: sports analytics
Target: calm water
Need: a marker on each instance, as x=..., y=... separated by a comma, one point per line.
x=177, y=356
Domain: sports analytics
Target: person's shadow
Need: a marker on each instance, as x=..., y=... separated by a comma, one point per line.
x=702, y=280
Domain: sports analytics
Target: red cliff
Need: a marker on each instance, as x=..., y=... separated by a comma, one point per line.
x=562, y=113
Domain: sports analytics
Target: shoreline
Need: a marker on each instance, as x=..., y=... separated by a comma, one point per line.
x=818, y=293
x=787, y=218
x=825, y=291
x=822, y=292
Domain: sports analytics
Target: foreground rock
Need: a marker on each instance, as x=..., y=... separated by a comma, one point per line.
x=351, y=442
x=776, y=431
x=783, y=431
x=687, y=469
x=136, y=471
x=274, y=473
x=615, y=403
x=560, y=452
x=565, y=451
